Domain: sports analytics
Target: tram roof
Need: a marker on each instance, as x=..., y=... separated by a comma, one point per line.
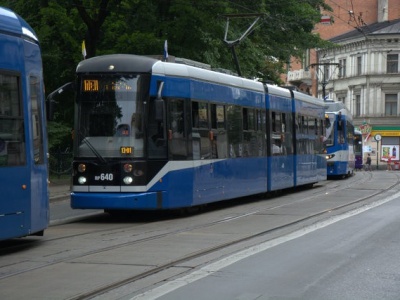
x=145, y=64
x=182, y=70
x=119, y=63
x=307, y=98
x=335, y=107
x=278, y=91
x=11, y=23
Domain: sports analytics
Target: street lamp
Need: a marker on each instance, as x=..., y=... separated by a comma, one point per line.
x=324, y=78
x=377, y=138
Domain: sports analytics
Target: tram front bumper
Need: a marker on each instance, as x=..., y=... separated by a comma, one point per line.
x=118, y=201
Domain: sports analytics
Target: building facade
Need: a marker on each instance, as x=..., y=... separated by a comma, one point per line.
x=362, y=70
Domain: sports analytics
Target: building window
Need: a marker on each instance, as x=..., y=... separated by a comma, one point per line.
x=357, y=108
x=326, y=73
x=390, y=104
x=342, y=68
x=359, y=65
x=392, y=63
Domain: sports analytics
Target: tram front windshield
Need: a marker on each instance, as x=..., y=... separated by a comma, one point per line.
x=329, y=127
x=110, y=116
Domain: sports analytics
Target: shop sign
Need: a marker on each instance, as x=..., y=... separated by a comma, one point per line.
x=365, y=129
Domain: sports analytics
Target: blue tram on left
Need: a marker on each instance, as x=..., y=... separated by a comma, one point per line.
x=24, y=198
x=155, y=135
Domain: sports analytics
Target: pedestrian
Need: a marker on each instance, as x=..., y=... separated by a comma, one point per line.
x=389, y=163
x=368, y=163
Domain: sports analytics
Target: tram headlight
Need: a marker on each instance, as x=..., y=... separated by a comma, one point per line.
x=128, y=168
x=82, y=180
x=329, y=156
x=81, y=168
x=128, y=180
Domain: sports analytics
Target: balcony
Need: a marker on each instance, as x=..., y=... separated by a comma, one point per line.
x=298, y=76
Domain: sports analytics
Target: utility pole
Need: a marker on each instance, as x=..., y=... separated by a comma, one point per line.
x=321, y=68
x=233, y=43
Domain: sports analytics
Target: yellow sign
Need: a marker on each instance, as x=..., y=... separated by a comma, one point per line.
x=386, y=133
x=91, y=85
x=126, y=150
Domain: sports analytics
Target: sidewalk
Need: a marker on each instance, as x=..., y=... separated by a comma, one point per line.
x=59, y=189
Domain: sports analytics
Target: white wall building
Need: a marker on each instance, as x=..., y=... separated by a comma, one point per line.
x=363, y=72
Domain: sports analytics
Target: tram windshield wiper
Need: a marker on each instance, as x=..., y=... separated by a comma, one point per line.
x=92, y=148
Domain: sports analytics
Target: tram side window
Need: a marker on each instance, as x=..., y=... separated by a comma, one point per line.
x=350, y=133
x=317, y=137
x=219, y=142
x=311, y=126
x=261, y=130
x=301, y=124
x=304, y=125
x=301, y=134
x=176, y=126
x=235, y=130
x=12, y=136
x=287, y=137
x=340, y=128
x=200, y=132
x=278, y=129
x=309, y=121
x=318, y=145
x=250, y=147
x=37, y=136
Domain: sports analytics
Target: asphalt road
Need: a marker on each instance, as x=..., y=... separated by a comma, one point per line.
x=335, y=241
x=356, y=256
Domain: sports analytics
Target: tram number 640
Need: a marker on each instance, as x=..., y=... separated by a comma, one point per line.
x=105, y=176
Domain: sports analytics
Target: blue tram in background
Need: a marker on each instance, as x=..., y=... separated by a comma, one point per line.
x=153, y=135
x=24, y=206
x=339, y=140
x=358, y=150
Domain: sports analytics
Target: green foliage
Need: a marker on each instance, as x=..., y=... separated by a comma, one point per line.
x=194, y=30
x=59, y=135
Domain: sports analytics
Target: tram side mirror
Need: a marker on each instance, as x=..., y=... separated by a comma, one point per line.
x=51, y=103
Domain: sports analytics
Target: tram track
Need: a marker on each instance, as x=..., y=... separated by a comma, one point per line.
x=256, y=208
x=115, y=285
x=332, y=186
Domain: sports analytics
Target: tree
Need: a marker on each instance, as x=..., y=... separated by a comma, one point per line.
x=194, y=30
x=94, y=14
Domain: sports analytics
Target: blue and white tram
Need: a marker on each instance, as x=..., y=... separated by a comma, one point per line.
x=339, y=140
x=155, y=135
x=24, y=205
x=310, y=130
x=295, y=130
